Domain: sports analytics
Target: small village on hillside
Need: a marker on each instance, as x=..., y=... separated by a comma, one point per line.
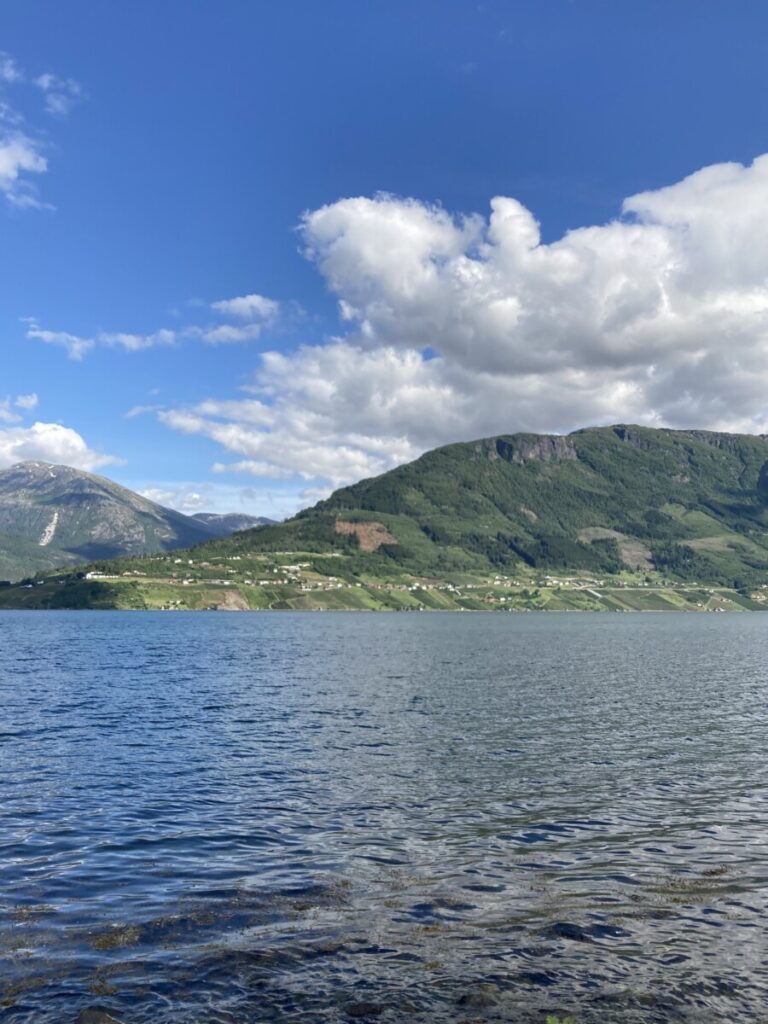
x=293, y=581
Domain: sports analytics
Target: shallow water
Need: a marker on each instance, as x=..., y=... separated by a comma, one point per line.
x=437, y=817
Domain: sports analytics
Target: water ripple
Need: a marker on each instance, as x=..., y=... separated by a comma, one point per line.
x=336, y=817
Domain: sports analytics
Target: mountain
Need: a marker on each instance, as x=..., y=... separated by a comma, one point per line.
x=55, y=515
x=688, y=503
x=654, y=518
x=222, y=524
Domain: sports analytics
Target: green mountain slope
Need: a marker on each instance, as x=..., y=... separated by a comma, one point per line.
x=690, y=504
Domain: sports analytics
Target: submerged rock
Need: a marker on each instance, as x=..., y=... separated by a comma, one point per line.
x=95, y=1016
x=364, y=1009
x=566, y=930
x=481, y=997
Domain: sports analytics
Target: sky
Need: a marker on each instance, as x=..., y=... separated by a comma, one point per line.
x=253, y=251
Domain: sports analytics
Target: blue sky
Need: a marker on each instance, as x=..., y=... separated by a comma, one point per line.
x=250, y=253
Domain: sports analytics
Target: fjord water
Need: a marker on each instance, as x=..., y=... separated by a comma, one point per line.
x=438, y=817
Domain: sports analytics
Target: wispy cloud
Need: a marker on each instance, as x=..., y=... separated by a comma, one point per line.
x=61, y=94
x=22, y=151
x=248, y=307
x=253, y=313
x=226, y=333
x=136, y=342
x=9, y=407
x=186, y=498
x=9, y=69
x=74, y=346
x=253, y=468
x=142, y=410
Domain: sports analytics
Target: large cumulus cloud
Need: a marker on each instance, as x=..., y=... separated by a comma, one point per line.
x=460, y=326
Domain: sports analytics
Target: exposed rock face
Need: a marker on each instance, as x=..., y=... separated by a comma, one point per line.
x=632, y=436
x=638, y=437
x=530, y=448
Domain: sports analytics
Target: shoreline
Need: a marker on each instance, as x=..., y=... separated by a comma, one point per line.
x=237, y=588
x=397, y=611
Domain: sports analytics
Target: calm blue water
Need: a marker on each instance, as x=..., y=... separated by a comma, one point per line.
x=325, y=817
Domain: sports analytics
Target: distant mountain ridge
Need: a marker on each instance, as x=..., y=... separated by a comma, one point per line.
x=54, y=515
x=224, y=523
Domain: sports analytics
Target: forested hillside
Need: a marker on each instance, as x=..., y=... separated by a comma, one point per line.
x=692, y=504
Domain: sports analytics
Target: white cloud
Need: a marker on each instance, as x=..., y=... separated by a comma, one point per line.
x=21, y=151
x=253, y=312
x=7, y=413
x=9, y=407
x=137, y=342
x=226, y=333
x=141, y=410
x=61, y=94
x=663, y=315
x=329, y=414
x=248, y=307
x=49, y=442
x=254, y=468
x=75, y=346
x=250, y=411
x=461, y=327
x=19, y=156
x=187, y=499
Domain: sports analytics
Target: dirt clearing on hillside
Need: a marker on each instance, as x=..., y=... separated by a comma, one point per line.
x=370, y=536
